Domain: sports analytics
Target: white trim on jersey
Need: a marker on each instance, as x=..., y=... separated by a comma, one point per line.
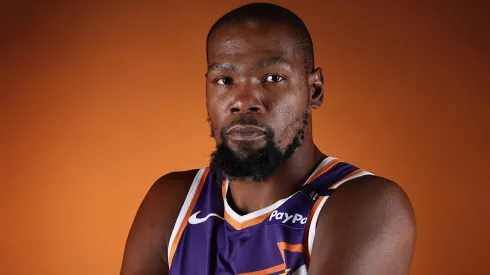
x=324, y=162
x=254, y=214
x=183, y=210
x=269, y=208
x=301, y=271
x=314, y=219
x=363, y=173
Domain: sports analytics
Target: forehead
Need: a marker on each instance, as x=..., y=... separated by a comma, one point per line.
x=251, y=40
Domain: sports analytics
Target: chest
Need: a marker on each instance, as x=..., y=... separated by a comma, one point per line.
x=273, y=242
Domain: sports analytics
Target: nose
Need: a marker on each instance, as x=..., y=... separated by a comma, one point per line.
x=247, y=101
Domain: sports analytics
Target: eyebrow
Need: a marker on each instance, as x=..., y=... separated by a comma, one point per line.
x=275, y=61
x=221, y=67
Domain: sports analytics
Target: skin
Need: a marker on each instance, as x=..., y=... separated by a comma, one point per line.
x=367, y=226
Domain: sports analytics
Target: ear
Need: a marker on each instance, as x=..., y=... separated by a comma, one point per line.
x=316, y=84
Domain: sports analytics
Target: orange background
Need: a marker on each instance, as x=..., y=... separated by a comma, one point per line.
x=99, y=100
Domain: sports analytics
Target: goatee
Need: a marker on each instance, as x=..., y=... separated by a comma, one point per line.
x=258, y=165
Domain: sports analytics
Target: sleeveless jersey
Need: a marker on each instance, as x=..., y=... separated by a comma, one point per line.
x=209, y=237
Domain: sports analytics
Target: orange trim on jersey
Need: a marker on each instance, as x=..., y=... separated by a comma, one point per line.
x=314, y=209
x=283, y=246
x=187, y=215
x=353, y=173
x=254, y=221
x=307, y=229
x=323, y=170
x=223, y=189
x=289, y=247
x=274, y=269
x=241, y=225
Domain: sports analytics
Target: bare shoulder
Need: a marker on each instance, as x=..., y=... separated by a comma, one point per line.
x=172, y=188
x=367, y=224
x=168, y=194
x=382, y=194
x=374, y=202
x=372, y=188
x=146, y=246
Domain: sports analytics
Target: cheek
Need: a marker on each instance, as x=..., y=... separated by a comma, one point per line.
x=215, y=120
x=215, y=103
x=214, y=127
x=289, y=116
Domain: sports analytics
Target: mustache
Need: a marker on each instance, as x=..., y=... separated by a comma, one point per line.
x=247, y=120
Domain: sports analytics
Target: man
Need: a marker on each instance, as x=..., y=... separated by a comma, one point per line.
x=261, y=207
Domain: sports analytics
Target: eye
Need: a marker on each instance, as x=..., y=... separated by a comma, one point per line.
x=224, y=81
x=273, y=78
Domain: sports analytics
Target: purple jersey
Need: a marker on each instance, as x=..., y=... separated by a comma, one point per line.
x=209, y=237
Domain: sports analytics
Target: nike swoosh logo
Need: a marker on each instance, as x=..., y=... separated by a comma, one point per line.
x=195, y=220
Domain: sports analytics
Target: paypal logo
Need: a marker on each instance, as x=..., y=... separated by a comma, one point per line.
x=288, y=217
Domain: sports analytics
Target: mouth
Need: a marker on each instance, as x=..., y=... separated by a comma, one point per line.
x=246, y=133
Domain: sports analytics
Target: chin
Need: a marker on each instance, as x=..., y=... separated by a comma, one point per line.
x=246, y=148
x=244, y=153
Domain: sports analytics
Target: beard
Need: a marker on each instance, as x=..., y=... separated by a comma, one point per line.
x=259, y=164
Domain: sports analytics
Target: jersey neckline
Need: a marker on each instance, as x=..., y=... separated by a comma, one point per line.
x=240, y=221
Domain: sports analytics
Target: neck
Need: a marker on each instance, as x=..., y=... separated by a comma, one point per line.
x=248, y=196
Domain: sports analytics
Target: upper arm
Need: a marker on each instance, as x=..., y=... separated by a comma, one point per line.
x=366, y=227
x=146, y=246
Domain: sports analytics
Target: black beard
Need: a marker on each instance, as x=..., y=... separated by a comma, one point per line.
x=259, y=165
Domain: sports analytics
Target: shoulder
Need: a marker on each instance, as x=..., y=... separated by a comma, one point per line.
x=364, y=219
x=174, y=184
x=372, y=199
x=372, y=191
x=166, y=197
x=147, y=242
x=170, y=189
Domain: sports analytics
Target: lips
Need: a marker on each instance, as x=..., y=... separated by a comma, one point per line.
x=246, y=133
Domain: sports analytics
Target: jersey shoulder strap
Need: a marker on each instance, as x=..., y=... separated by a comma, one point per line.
x=336, y=173
x=333, y=174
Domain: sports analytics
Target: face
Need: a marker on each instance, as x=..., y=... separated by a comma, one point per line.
x=258, y=98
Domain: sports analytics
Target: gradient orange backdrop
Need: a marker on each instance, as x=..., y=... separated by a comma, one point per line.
x=99, y=100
